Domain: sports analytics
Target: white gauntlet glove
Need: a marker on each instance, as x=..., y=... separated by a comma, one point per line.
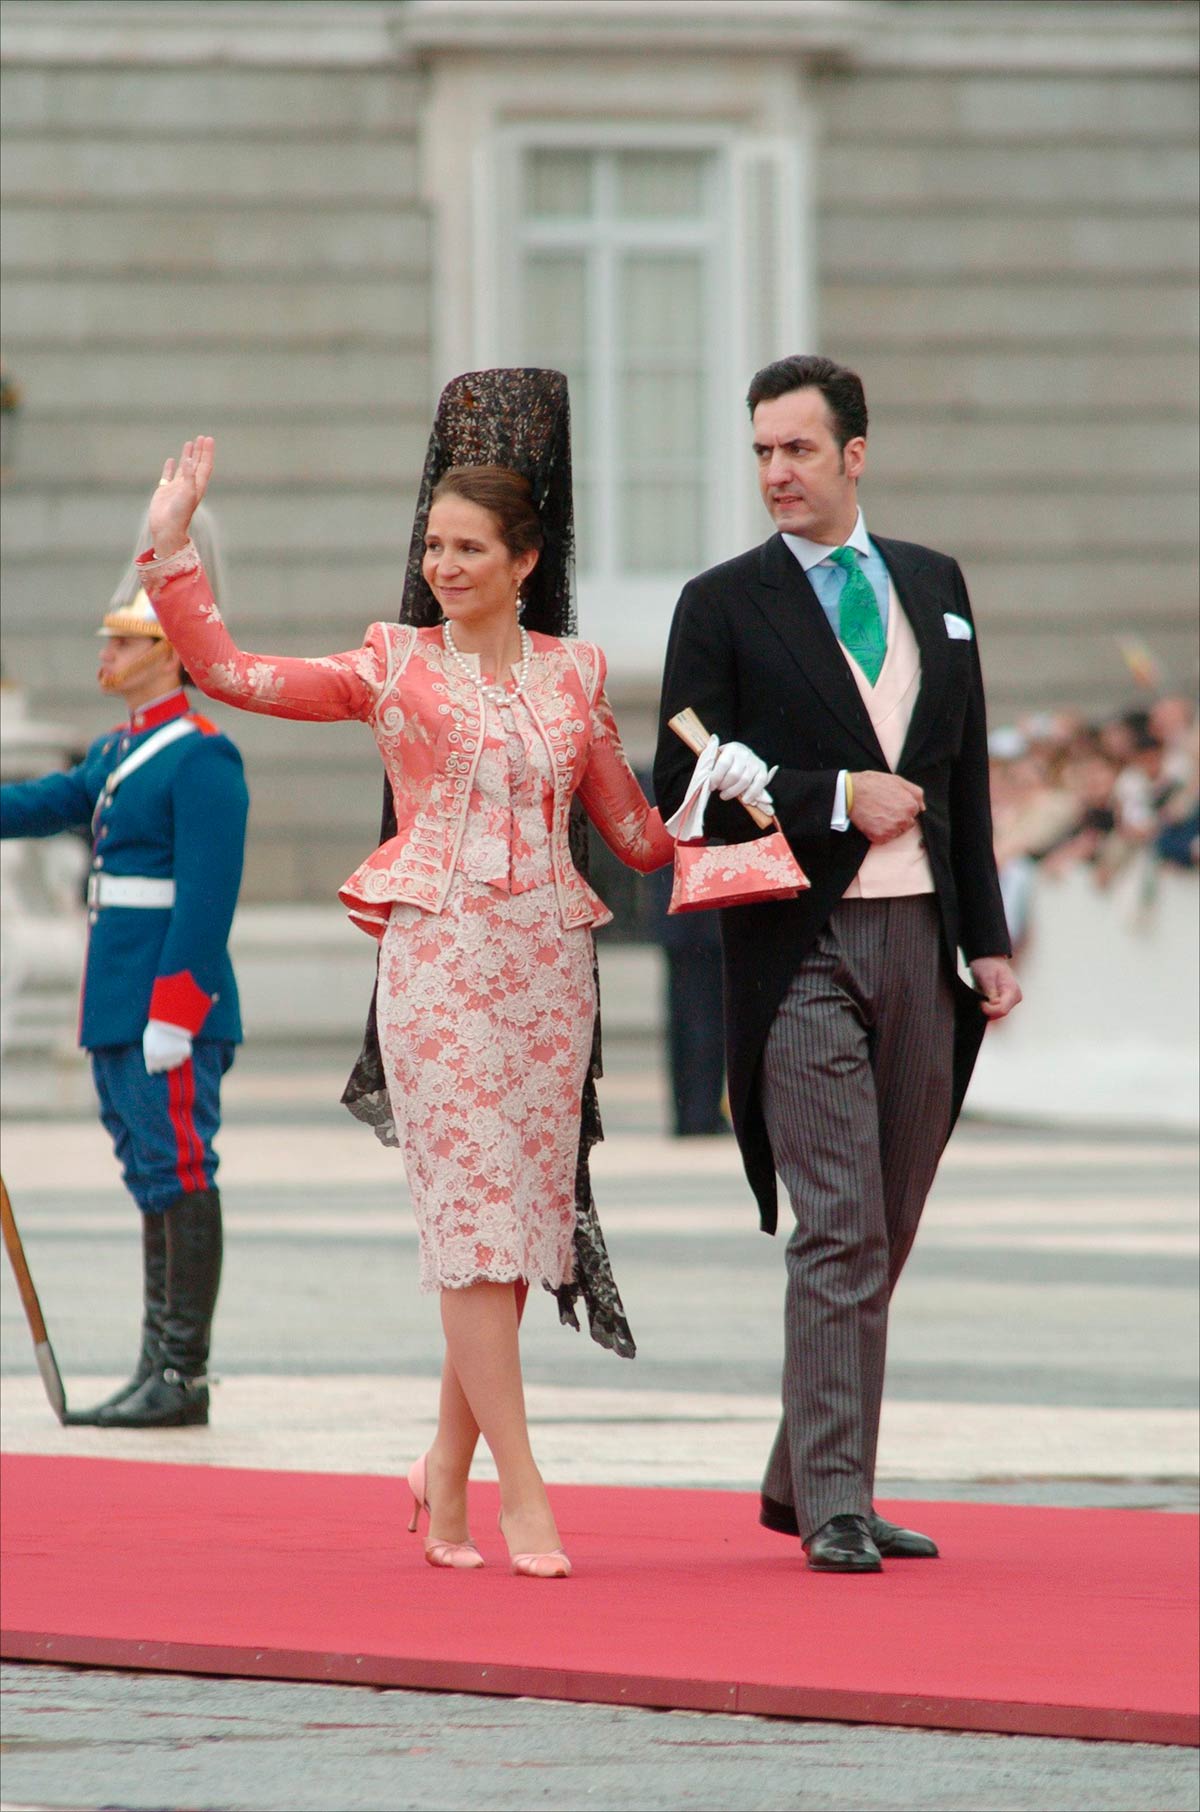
x=738, y=773
x=164, y=1046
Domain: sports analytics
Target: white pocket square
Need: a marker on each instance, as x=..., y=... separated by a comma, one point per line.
x=958, y=629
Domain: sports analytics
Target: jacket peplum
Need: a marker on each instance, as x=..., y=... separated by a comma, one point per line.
x=427, y=720
x=180, y=816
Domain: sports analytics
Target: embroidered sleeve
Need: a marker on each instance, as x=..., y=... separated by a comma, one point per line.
x=614, y=801
x=326, y=689
x=589, y=664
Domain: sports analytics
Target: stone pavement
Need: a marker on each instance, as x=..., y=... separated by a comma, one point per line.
x=1043, y=1349
x=1041, y=1332
x=86, y=1738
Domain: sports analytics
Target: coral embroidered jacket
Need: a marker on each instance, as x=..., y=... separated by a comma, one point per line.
x=427, y=719
x=180, y=816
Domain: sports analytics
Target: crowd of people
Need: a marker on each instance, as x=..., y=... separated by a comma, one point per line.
x=1066, y=792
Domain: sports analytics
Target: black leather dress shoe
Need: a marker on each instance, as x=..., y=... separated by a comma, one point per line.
x=900, y=1544
x=843, y=1545
x=893, y=1542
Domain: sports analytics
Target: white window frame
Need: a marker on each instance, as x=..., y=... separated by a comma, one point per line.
x=630, y=612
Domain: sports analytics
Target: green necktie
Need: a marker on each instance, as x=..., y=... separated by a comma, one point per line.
x=860, y=626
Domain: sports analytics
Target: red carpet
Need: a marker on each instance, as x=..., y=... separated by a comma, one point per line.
x=1048, y=1622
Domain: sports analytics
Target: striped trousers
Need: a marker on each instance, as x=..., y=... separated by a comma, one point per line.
x=856, y=1090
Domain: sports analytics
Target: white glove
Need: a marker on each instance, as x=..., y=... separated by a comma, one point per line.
x=738, y=773
x=165, y=1046
x=687, y=824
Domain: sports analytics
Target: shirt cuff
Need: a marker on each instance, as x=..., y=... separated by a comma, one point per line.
x=841, y=817
x=180, y=1001
x=183, y=560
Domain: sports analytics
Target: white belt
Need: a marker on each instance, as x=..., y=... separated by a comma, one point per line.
x=129, y=890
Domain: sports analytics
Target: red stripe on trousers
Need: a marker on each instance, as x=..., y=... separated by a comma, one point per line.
x=188, y=1089
x=181, y=1096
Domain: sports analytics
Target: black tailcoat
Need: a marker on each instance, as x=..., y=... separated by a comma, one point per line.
x=752, y=652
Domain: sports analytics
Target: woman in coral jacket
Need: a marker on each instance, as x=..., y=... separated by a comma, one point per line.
x=485, y=1003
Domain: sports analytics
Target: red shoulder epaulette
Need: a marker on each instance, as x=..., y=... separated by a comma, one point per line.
x=204, y=724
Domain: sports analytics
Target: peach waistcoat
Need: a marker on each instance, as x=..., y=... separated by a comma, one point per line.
x=901, y=867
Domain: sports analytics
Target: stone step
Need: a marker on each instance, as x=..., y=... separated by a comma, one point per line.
x=153, y=380
x=346, y=451
x=180, y=311
x=907, y=245
x=1030, y=312
x=302, y=241
x=307, y=167
x=253, y=103
x=1008, y=107
x=1062, y=177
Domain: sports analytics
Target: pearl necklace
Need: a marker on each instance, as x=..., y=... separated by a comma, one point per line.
x=500, y=695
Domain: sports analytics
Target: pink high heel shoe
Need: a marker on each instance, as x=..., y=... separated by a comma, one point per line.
x=463, y=1556
x=552, y=1565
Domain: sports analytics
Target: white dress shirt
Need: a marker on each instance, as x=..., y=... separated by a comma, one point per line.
x=816, y=553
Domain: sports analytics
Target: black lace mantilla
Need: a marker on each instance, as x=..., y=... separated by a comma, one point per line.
x=521, y=419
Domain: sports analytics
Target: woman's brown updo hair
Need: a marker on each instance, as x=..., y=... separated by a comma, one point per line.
x=507, y=496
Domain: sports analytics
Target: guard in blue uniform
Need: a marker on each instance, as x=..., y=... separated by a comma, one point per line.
x=166, y=801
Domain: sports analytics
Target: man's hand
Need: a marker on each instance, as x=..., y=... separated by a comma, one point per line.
x=179, y=491
x=885, y=806
x=997, y=983
x=164, y=1046
x=738, y=773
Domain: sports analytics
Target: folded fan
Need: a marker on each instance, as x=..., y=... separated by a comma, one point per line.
x=727, y=874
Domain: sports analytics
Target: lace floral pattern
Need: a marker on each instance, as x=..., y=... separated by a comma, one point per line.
x=752, y=864
x=485, y=1014
x=429, y=728
x=506, y=839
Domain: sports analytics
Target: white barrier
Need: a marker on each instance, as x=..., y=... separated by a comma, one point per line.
x=1106, y=1035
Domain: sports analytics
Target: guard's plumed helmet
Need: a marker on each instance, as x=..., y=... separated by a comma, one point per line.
x=135, y=618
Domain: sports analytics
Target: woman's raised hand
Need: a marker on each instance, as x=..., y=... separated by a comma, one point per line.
x=179, y=491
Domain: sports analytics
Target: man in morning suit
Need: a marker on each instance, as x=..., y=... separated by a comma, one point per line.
x=851, y=665
x=165, y=798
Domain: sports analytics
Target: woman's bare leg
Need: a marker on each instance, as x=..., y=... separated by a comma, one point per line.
x=453, y=1448
x=481, y=1325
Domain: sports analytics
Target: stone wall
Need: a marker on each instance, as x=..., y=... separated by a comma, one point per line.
x=213, y=222
x=237, y=251
x=1010, y=260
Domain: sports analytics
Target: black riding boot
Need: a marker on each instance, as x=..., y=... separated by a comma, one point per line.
x=175, y=1395
x=154, y=1308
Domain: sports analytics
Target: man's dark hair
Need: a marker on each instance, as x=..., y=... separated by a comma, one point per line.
x=841, y=388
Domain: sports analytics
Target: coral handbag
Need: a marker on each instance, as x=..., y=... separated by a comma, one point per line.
x=731, y=874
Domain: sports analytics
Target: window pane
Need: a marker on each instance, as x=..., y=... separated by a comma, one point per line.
x=662, y=525
x=662, y=417
x=555, y=324
x=661, y=305
x=654, y=184
x=558, y=183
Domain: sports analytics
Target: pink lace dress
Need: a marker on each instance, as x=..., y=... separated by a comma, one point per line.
x=485, y=1015
x=486, y=1000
